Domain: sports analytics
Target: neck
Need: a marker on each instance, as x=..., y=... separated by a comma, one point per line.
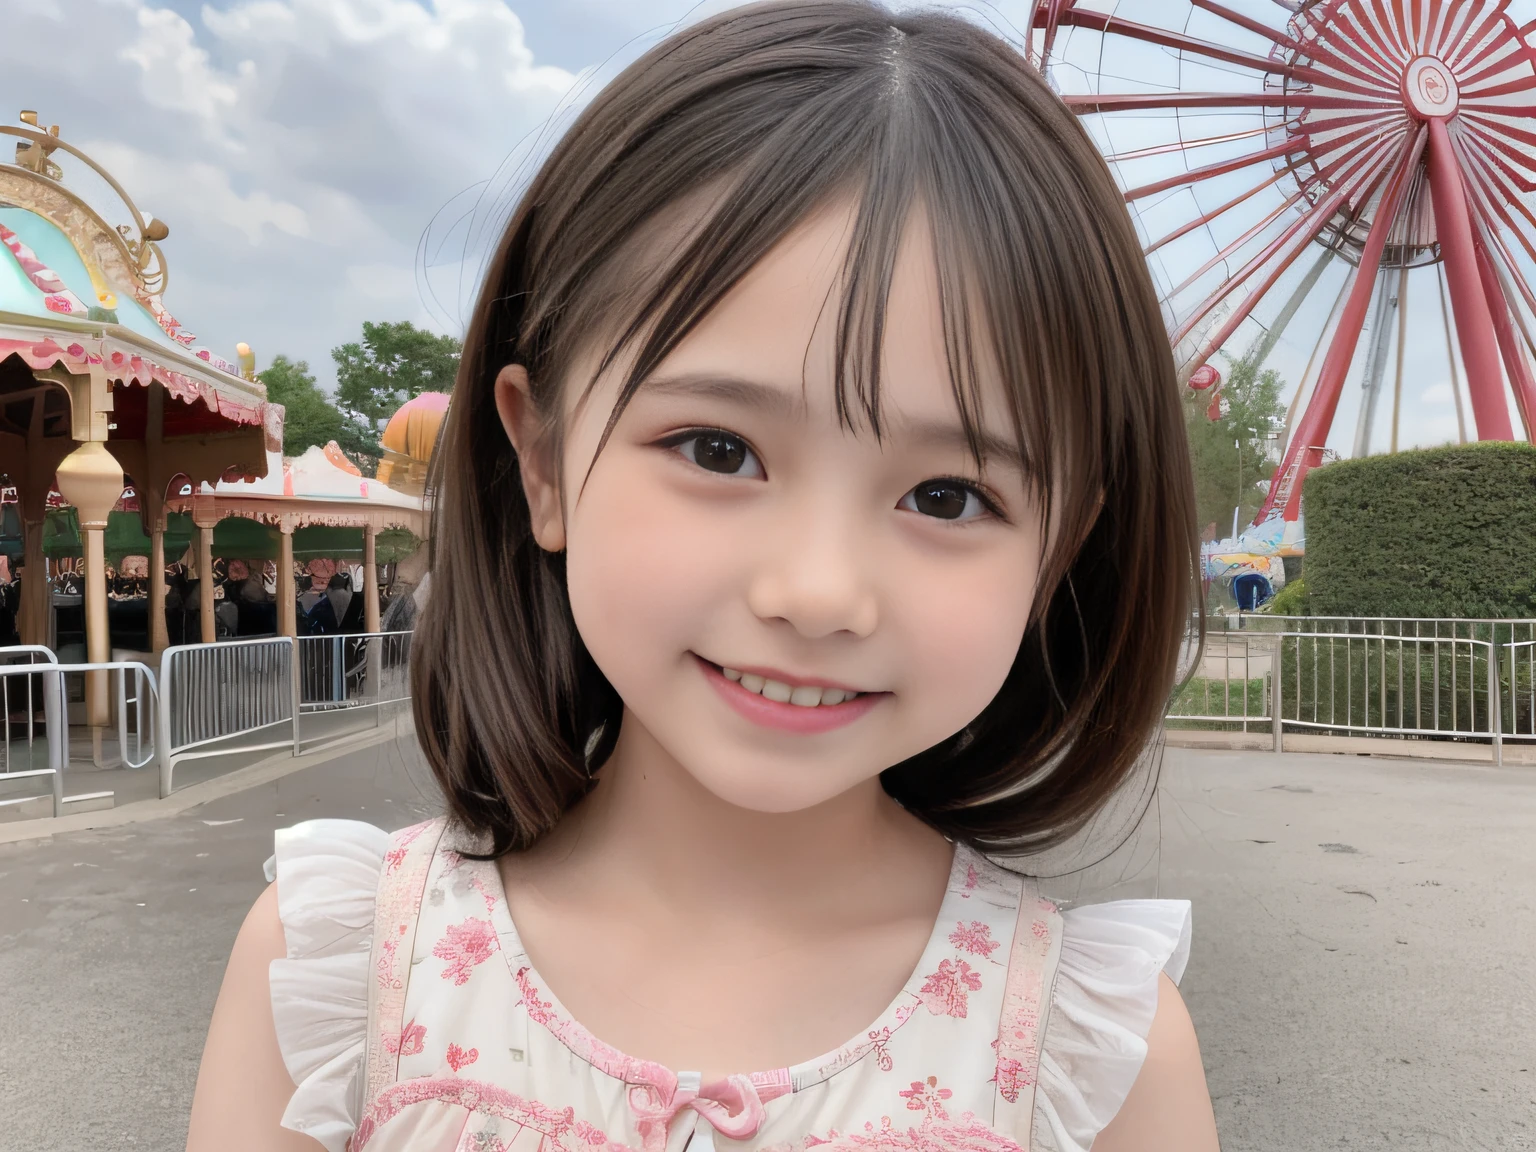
x=650, y=823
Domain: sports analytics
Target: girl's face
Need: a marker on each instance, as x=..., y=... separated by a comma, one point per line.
x=734, y=546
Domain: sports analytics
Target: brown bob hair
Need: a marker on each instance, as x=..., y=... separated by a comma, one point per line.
x=746, y=123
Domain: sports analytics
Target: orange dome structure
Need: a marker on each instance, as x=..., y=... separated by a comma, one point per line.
x=408, y=440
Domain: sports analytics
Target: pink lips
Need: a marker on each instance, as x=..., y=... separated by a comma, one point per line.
x=788, y=717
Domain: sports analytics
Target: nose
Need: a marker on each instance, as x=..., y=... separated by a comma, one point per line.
x=817, y=575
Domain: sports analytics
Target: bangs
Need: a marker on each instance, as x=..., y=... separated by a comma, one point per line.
x=901, y=145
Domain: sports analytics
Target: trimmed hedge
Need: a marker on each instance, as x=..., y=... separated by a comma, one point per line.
x=1431, y=532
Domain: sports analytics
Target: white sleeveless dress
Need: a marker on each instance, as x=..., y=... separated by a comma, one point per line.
x=410, y=1018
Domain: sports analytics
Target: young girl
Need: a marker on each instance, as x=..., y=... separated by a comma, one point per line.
x=814, y=521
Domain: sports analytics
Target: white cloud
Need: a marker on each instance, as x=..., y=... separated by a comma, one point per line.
x=297, y=148
x=1438, y=394
x=177, y=76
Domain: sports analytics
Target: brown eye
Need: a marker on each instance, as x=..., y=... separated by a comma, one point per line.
x=720, y=452
x=944, y=500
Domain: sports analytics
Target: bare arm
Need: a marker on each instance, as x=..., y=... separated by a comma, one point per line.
x=1169, y=1108
x=242, y=1085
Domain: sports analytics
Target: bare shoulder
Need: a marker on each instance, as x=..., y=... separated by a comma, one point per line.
x=242, y=1083
x=1169, y=1108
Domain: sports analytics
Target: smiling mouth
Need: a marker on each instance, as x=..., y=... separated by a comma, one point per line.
x=800, y=695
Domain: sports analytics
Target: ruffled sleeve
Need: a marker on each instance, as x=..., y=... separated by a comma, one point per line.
x=1101, y=1010
x=327, y=874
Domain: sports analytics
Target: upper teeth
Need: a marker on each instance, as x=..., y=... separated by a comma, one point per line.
x=805, y=695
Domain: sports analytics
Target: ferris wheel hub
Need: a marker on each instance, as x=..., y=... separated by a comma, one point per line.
x=1430, y=90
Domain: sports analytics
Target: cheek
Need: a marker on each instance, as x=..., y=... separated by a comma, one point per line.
x=642, y=571
x=963, y=624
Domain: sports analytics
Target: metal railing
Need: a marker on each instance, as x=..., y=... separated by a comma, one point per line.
x=1462, y=680
x=357, y=671
x=22, y=697
x=213, y=693
x=45, y=684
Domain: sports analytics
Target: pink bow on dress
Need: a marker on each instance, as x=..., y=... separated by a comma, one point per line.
x=732, y=1106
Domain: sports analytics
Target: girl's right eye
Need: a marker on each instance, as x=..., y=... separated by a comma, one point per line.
x=718, y=451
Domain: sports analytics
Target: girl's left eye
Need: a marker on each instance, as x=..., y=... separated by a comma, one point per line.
x=718, y=451
x=946, y=500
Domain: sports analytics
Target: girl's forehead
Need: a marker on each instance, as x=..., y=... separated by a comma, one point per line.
x=779, y=325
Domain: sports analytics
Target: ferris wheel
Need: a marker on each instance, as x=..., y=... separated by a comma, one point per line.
x=1333, y=186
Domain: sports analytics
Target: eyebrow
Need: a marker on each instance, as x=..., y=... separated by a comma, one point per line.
x=755, y=394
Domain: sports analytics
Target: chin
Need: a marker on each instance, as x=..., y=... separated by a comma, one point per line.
x=770, y=789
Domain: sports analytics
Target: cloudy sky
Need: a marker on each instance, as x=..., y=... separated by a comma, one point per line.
x=323, y=162
x=301, y=151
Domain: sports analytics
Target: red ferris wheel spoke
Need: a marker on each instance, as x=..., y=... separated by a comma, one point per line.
x=1306, y=447
x=1494, y=211
x=1237, y=245
x=1386, y=34
x=1493, y=132
x=1480, y=38
x=1510, y=61
x=1316, y=220
x=1363, y=178
x=1365, y=39
x=1138, y=101
x=1274, y=35
x=1207, y=217
x=1508, y=88
x=1221, y=168
x=1108, y=24
x=1184, y=145
x=1344, y=58
x=1494, y=151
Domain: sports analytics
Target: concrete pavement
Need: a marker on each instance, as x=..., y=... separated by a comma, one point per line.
x=1362, y=973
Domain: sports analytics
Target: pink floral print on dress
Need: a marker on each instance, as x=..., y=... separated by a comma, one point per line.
x=464, y=946
x=945, y=992
x=968, y=1134
x=410, y=1042
x=926, y=1096
x=459, y=1058
x=975, y=938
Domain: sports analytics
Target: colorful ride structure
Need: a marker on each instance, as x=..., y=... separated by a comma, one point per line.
x=1279, y=152
x=97, y=378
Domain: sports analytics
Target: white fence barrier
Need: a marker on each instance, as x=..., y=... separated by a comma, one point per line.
x=40, y=681
x=212, y=693
x=1463, y=680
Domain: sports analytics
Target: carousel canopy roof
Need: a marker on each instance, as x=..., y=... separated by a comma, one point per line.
x=77, y=292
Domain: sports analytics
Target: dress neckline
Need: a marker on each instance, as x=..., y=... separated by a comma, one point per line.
x=542, y=1006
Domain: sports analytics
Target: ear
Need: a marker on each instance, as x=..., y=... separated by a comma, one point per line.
x=536, y=463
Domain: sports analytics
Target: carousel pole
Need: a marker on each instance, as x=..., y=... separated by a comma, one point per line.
x=287, y=597
x=153, y=496
x=370, y=580
x=205, y=583
x=159, y=635
x=91, y=479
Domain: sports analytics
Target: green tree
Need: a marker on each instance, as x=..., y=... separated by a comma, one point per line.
x=393, y=363
x=1234, y=455
x=311, y=417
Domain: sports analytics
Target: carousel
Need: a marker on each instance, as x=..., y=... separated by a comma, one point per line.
x=101, y=387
